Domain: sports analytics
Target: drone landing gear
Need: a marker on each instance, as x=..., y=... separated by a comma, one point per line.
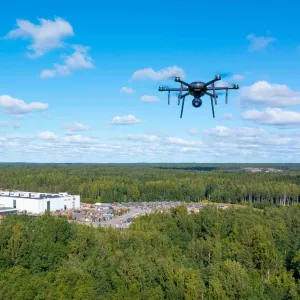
x=226, y=99
x=212, y=106
x=182, y=106
x=197, y=102
x=180, y=92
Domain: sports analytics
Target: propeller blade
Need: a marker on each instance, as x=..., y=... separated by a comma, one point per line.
x=212, y=106
x=182, y=107
x=226, y=97
x=224, y=74
x=169, y=97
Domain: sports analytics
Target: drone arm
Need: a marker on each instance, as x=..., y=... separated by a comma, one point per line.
x=162, y=89
x=177, y=79
x=218, y=88
x=212, y=81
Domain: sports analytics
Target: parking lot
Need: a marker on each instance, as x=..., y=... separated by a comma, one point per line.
x=120, y=215
x=116, y=221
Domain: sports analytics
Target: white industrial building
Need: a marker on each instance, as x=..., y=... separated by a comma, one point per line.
x=38, y=202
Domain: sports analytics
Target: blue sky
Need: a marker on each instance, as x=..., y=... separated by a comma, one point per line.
x=63, y=67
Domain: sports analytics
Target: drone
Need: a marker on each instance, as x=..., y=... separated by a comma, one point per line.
x=198, y=89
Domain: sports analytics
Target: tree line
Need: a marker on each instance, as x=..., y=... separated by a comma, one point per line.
x=215, y=255
x=121, y=183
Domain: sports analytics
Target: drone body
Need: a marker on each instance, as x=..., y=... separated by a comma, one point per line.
x=197, y=90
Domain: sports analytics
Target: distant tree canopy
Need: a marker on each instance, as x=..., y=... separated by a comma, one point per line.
x=157, y=182
x=231, y=254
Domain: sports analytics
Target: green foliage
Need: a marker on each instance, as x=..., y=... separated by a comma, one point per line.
x=150, y=182
x=231, y=254
x=229, y=280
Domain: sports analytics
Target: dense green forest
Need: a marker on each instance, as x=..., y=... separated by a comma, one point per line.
x=157, y=182
x=231, y=254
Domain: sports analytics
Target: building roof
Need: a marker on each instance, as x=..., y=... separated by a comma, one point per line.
x=32, y=195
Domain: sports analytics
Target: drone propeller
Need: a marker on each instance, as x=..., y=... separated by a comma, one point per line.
x=224, y=74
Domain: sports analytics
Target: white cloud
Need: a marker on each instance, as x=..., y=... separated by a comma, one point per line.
x=238, y=77
x=189, y=149
x=3, y=124
x=48, y=74
x=194, y=131
x=125, y=120
x=273, y=116
x=260, y=144
x=147, y=98
x=45, y=135
x=78, y=60
x=242, y=144
x=21, y=136
x=76, y=126
x=227, y=116
x=48, y=135
x=180, y=141
x=46, y=36
x=142, y=138
x=46, y=115
x=16, y=125
x=218, y=131
x=78, y=139
x=259, y=42
x=248, y=131
x=18, y=108
x=221, y=83
x=162, y=74
x=269, y=94
x=222, y=131
x=127, y=90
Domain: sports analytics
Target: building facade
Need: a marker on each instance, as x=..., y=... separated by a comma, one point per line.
x=38, y=202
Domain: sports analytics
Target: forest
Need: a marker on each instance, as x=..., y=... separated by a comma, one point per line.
x=216, y=254
x=226, y=183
